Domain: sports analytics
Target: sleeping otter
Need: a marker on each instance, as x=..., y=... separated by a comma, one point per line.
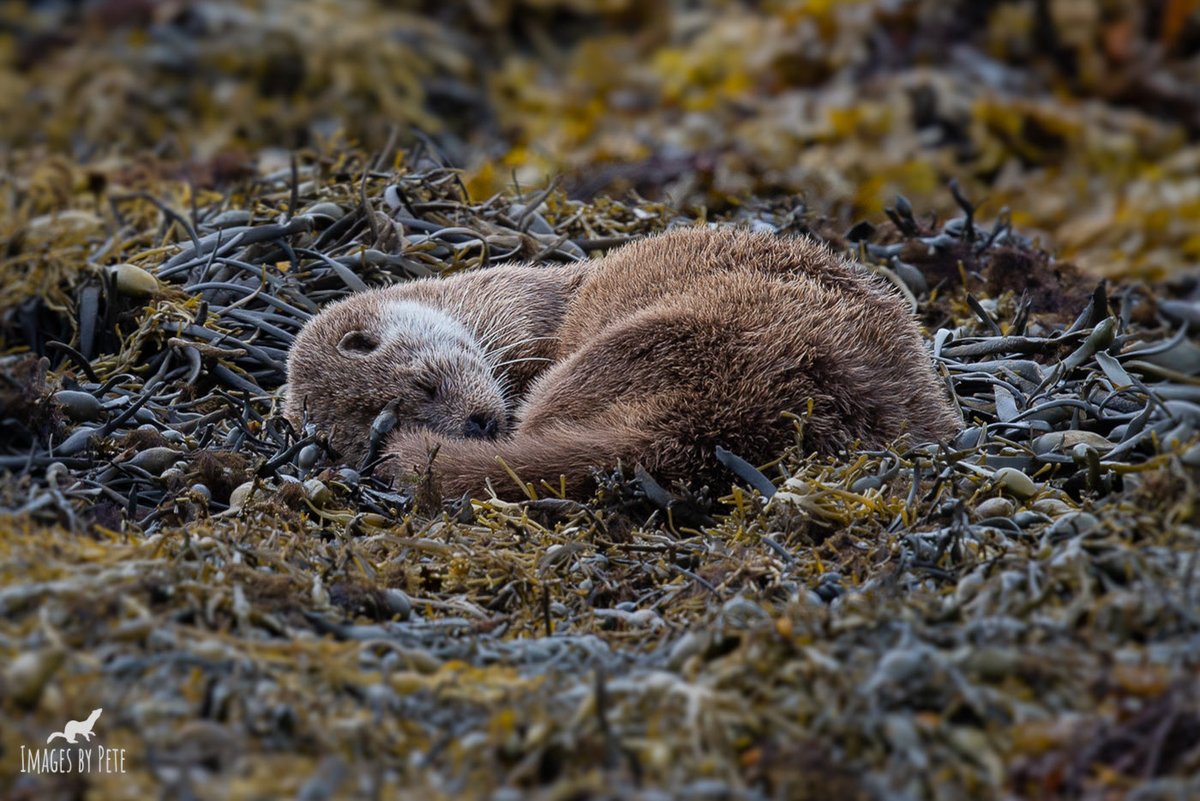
x=654, y=355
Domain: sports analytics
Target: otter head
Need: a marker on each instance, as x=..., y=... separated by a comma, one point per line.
x=362, y=353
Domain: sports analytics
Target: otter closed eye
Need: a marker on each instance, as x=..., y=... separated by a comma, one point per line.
x=427, y=384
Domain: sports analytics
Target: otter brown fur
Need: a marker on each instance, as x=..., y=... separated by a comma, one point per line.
x=666, y=348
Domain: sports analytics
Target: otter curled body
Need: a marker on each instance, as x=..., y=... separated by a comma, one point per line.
x=655, y=354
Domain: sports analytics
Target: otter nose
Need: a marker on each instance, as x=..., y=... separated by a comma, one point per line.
x=481, y=426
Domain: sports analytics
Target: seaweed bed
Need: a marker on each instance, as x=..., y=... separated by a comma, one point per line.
x=1015, y=614
x=1016, y=609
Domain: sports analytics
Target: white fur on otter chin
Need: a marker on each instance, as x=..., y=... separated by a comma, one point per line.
x=407, y=319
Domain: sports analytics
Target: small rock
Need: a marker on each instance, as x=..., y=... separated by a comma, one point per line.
x=240, y=494
x=307, y=457
x=1191, y=457
x=968, y=438
x=155, y=460
x=316, y=491
x=134, y=281
x=993, y=663
x=1015, y=482
x=325, y=209
x=994, y=507
x=535, y=223
x=899, y=665
x=1052, y=507
x=1027, y=518
x=398, y=603
x=1072, y=525
x=1064, y=441
x=80, y=405
x=1177, y=437
x=78, y=440
x=27, y=674
x=969, y=586
x=913, y=278
x=690, y=644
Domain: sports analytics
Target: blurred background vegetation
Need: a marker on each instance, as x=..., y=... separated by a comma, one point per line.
x=1081, y=116
x=1002, y=634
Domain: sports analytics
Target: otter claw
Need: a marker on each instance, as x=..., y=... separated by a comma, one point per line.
x=383, y=423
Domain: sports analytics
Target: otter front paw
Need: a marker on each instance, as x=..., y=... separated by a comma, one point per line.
x=409, y=454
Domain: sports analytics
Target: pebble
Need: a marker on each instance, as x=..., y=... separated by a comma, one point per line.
x=995, y=507
x=1052, y=507
x=325, y=209
x=307, y=457
x=690, y=644
x=535, y=223
x=1015, y=482
x=913, y=278
x=134, y=281
x=28, y=673
x=968, y=438
x=80, y=405
x=1191, y=457
x=810, y=598
x=969, y=586
x=78, y=440
x=993, y=663
x=1177, y=437
x=240, y=494
x=829, y=592
x=1067, y=440
x=155, y=460
x=900, y=665
x=1027, y=518
x=398, y=603
x=1072, y=525
x=316, y=491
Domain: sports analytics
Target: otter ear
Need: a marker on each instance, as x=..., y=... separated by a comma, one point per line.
x=357, y=344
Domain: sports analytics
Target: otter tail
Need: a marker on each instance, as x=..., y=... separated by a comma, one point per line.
x=564, y=457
